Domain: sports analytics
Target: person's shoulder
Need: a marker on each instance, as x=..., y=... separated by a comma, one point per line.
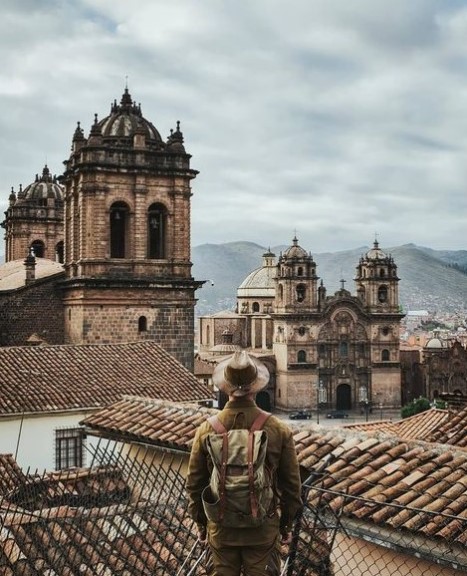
x=278, y=424
x=205, y=427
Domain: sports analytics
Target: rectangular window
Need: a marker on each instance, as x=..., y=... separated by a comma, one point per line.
x=69, y=448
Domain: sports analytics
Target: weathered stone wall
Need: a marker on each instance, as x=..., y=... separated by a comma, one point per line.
x=33, y=309
x=128, y=314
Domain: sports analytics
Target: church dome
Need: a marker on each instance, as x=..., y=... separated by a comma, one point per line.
x=124, y=121
x=434, y=343
x=44, y=187
x=260, y=282
x=295, y=251
x=376, y=253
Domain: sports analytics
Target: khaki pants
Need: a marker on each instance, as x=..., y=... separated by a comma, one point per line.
x=255, y=560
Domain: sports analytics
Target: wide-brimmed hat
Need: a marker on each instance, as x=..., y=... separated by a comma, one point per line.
x=240, y=374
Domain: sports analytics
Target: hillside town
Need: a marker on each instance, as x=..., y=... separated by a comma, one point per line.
x=102, y=392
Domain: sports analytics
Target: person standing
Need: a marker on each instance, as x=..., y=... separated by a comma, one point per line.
x=255, y=549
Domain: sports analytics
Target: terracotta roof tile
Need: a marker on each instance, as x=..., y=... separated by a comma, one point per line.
x=164, y=423
x=422, y=426
x=45, y=378
x=453, y=430
x=11, y=474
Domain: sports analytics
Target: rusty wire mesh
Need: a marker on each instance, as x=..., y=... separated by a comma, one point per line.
x=126, y=515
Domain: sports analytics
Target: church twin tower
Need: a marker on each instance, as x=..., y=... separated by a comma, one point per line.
x=124, y=205
x=339, y=351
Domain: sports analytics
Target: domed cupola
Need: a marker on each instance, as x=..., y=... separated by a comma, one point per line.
x=44, y=191
x=124, y=121
x=34, y=219
x=296, y=280
x=294, y=251
x=295, y=261
x=256, y=292
x=377, y=281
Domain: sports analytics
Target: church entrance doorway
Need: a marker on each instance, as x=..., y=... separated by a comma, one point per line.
x=343, y=397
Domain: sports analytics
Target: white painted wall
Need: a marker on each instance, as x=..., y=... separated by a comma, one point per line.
x=36, y=449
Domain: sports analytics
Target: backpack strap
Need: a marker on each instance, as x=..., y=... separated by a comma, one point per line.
x=260, y=420
x=217, y=425
x=219, y=428
x=255, y=427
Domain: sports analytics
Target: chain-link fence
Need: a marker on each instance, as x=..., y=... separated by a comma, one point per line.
x=126, y=515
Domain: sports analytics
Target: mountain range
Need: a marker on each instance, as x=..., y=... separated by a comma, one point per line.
x=433, y=280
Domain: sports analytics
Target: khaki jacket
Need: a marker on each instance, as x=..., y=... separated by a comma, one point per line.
x=282, y=459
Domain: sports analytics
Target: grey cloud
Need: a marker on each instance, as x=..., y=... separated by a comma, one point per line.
x=337, y=119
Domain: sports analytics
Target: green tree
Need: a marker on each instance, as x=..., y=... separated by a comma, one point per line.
x=415, y=407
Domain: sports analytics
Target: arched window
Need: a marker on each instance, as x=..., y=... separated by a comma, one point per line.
x=157, y=224
x=38, y=248
x=301, y=356
x=281, y=291
x=343, y=349
x=300, y=271
x=385, y=355
x=322, y=350
x=208, y=334
x=142, y=324
x=59, y=252
x=382, y=294
x=118, y=229
x=300, y=291
x=255, y=307
x=381, y=273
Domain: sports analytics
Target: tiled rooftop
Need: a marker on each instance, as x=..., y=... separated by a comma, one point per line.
x=11, y=475
x=73, y=377
x=388, y=482
x=420, y=426
x=103, y=529
x=73, y=487
x=156, y=422
x=453, y=430
x=203, y=367
x=378, y=426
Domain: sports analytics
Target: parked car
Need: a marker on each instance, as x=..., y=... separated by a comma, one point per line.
x=300, y=415
x=337, y=414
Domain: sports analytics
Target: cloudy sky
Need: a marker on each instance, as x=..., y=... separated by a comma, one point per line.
x=337, y=119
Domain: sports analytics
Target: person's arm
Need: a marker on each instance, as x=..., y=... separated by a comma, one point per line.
x=197, y=479
x=288, y=478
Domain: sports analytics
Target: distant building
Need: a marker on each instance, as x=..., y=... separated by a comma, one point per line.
x=445, y=366
x=339, y=351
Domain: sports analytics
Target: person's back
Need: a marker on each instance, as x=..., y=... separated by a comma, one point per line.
x=255, y=548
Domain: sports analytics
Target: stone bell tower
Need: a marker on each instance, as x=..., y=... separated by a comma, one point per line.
x=34, y=220
x=127, y=234
x=377, y=285
x=295, y=307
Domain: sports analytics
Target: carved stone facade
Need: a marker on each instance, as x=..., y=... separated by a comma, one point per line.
x=339, y=351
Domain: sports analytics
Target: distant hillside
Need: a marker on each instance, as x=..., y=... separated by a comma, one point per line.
x=430, y=279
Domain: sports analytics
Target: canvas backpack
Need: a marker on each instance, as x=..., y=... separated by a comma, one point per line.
x=240, y=492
